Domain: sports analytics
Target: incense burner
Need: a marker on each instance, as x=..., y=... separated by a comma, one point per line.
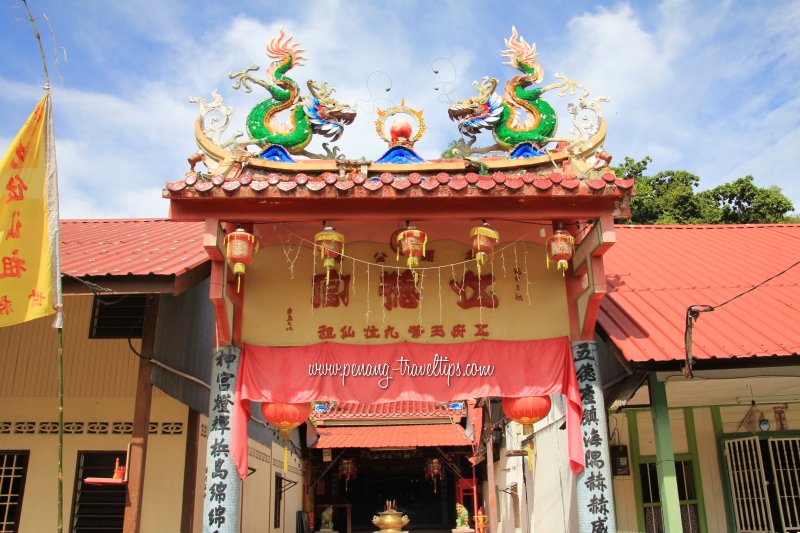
x=390, y=521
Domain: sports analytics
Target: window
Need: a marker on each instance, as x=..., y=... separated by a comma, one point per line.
x=278, y=498
x=651, y=499
x=13, y=470
x=97, y=508
x=118, y=317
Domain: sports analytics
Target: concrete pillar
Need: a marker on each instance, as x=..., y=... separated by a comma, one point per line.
x=665, y=458
x=223, y=488
x=594, y=491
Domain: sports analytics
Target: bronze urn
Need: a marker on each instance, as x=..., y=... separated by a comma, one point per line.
x=390, y=520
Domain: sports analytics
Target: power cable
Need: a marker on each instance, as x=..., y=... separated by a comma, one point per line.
x=693, y=314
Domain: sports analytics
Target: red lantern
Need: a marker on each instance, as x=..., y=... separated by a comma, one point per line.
x=484, y=238
x=434, y=471
x=285, y=416
x=411, y=243
x=527, y=410
x=239, y=249
x=348, y=470
x=331, y=248
x=559, y=249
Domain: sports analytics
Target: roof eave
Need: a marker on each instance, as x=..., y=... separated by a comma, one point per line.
x=139, y=283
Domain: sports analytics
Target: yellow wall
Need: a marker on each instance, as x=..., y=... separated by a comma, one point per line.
x=271, y=292
x=163, y=474
x=707, y=455
x=624, y=493
x=99, y=386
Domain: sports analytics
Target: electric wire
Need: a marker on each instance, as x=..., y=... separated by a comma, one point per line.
x=693, y=314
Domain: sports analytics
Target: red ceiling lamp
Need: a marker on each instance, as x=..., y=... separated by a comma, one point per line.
x=411, y=242
x=484, y=238
x=348, y=470
x=434, y=471
x=240, y=246
x=527, y=410
x=331, y=247
x=560, y=246
x=285, y=417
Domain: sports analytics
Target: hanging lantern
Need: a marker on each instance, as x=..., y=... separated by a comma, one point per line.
x=348, y=470
x=239, y=249
x=411, y=243
x=434, y=471
x=527, y=410
x=484, y=238
x=285, y=417
x=559, y=249
x=331, y=247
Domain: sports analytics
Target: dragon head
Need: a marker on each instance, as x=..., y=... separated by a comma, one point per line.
x=478, y=112
x=327, y=116
x=522, y=56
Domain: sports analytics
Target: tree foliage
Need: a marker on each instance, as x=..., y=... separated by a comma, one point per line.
x=670, y=197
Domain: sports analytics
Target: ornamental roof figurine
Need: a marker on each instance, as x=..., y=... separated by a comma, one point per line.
x=319, y=113
x=521, y=121
x=530, y=163
x=402, y=134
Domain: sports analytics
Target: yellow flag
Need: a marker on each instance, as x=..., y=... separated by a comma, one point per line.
x=29, y=262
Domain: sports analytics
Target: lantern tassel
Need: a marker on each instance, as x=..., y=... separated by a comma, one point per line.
x=480, y=260
x=238, y=284
x=530, y=457
x=285, y=459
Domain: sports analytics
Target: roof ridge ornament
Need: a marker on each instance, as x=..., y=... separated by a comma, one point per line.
x=402, y=134
x=521, y=121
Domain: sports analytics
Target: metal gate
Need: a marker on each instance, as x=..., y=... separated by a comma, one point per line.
x=785, y=457
x=748, y=486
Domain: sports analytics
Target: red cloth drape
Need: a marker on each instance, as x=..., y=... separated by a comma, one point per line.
x=516, y=368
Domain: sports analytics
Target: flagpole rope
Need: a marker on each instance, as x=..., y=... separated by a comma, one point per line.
x=38, y=35
x=59, y=321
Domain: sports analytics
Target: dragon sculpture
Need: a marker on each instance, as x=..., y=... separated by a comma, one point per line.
x=521, y=115
x=319, y=113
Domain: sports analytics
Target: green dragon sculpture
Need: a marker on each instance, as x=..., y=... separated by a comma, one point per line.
x=504, y=116
x=319, y=113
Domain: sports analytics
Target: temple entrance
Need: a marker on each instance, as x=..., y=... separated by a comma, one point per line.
x=391, y=475
x=412, y=454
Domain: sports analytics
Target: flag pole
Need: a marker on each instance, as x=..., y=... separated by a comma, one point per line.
x=56, y=268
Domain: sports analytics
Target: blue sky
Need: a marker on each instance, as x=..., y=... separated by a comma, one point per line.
x=708, y=87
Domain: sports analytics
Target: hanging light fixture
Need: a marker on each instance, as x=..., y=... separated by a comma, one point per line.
x=348, y=470
x=285, y=417
x=331, y=247
x=527, y=411
x=560, y=246
x=484, y=238
x=434, y=471
x=411, y=243
x=240, y=246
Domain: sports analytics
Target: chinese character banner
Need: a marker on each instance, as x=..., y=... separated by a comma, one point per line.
x=371, y=298
x=25, y=261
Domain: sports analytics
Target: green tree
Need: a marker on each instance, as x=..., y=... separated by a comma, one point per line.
x=743, y=202
x=669, y=198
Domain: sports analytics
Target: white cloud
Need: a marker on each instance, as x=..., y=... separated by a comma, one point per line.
x=702, y=88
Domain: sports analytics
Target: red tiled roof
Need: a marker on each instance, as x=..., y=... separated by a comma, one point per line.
x=391, y=436
x=388, y=410
x=118, y=247
x=654, y=273
x=250, y=183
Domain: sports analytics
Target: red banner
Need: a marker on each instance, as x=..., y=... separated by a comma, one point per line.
x=405, y=371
